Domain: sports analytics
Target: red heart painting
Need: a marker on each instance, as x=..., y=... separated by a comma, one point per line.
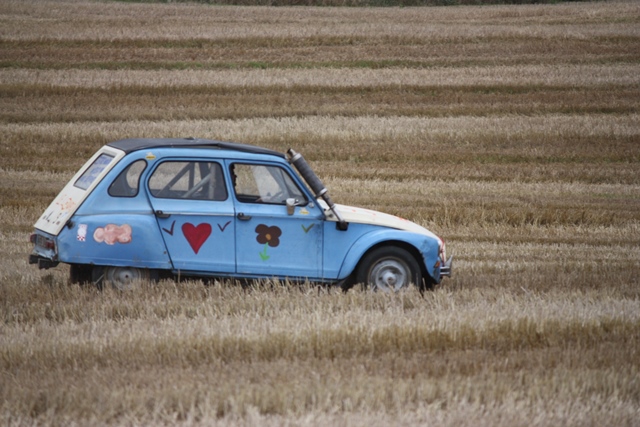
x=196, y=235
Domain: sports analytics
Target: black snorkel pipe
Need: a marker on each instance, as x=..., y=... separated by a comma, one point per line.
x=316, y=185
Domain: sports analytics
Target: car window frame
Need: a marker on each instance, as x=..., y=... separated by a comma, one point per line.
x=292, y=178
x=121, y=179
x=197, y=163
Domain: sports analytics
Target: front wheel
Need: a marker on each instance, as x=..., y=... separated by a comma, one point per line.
x=388, y=269
x=121, y=278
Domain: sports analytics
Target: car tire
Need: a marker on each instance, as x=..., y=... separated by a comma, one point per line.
x=120, y=278
x=388, y=269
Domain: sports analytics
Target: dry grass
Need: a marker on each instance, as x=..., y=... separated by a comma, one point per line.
x=61, y=105
x=113, y=21
x=490, y=76
x=221, y=351
x=512, y=131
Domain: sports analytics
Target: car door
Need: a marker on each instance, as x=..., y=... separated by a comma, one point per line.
x=195, y=214
x=273, y=239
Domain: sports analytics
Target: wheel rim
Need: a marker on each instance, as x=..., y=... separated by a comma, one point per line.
x=389, y=275
x=124, y=278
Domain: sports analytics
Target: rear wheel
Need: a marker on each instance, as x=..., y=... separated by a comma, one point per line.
x=388, y=269
x=121, y=278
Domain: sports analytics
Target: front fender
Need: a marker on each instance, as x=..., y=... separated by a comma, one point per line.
x=427, y=246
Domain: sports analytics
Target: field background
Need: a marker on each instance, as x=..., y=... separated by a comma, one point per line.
x=511, y=131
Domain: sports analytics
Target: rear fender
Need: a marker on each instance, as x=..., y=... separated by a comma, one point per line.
x=131, y=240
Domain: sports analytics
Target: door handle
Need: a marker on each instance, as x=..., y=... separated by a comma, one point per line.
x=161, y=214
x=243, y=217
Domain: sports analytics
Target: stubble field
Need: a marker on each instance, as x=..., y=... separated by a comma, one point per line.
x=511, y=131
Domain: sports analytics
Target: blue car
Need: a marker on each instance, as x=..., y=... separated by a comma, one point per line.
x=150, y=208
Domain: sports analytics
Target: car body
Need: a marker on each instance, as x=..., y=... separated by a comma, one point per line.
x=141, y=208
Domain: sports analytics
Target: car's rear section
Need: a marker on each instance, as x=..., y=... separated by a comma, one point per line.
x=48, y=227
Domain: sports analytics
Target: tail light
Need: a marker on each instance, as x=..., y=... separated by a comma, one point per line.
x=40, y=240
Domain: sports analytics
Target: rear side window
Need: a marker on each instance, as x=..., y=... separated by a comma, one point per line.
x=93, y=171
x=189, y=180
x=127, y=183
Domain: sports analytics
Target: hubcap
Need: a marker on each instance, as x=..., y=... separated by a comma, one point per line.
x=389, y=275
x=124, y=278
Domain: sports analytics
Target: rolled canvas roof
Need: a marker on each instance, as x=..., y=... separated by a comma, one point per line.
x=135, y=144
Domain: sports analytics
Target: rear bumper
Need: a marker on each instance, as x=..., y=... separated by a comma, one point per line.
x=43, y=263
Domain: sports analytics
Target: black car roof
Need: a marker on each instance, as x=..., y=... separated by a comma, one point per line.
x=135, y=144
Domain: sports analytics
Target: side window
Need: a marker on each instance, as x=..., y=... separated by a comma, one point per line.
x=93, y=171
x=264, y=184
x=128, y=181
x=189, y=180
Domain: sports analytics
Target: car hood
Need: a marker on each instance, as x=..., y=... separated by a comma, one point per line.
x=366, y=216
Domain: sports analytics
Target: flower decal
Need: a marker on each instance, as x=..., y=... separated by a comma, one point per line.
x=268, y=235
x=112, y=234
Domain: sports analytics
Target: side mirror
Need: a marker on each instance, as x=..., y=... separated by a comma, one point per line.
x=291, y=206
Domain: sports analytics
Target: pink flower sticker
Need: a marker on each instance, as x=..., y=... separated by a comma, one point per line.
x=112, y=234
